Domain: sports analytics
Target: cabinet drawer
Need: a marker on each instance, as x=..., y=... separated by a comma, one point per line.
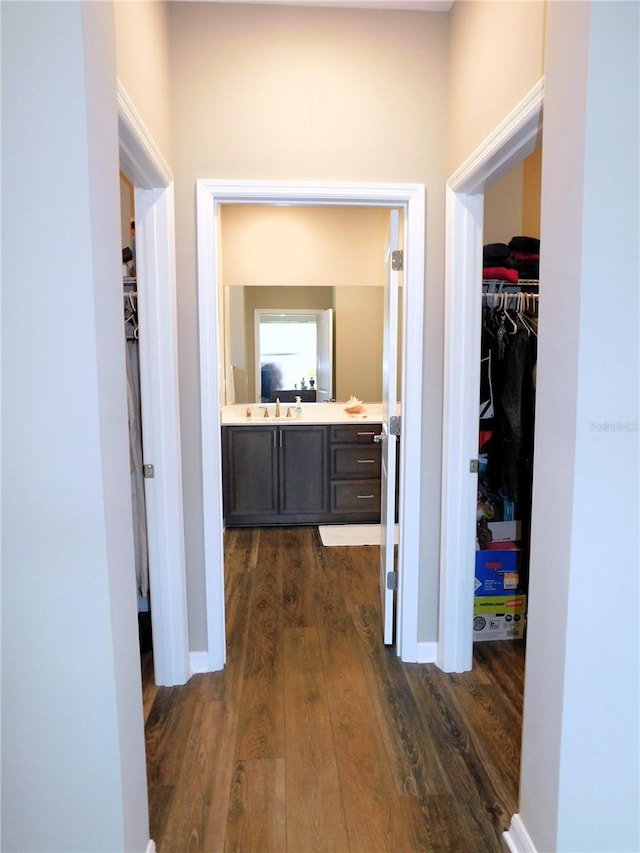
x=353, y=433
x=360, y=463
x=355, y=497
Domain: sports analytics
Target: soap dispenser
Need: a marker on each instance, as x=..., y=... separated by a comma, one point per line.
x=298, y=408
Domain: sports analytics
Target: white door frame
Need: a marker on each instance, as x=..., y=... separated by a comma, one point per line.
x=144, y=166
x=513, y=140
x=409, y=197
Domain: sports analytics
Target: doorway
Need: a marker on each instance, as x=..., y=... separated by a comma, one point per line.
x=411, y=199
x=290, y=354
x=152, y=180
x=507, y=146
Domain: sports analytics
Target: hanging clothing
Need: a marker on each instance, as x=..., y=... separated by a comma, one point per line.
x=508, y=360
x=136, y=464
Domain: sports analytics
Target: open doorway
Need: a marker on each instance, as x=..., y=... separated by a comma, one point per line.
x=211, y=197
x=152, y=184
x=294, y=355
x=516, y=138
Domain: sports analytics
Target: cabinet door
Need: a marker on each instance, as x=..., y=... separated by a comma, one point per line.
x=250, y=473
x=303, y=471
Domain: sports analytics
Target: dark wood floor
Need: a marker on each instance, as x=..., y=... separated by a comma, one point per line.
x=316, y=737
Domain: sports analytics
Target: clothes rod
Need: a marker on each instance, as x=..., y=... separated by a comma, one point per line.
x=505, y=285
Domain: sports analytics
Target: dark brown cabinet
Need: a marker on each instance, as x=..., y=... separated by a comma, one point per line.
x=355, y=472
x=275, y=475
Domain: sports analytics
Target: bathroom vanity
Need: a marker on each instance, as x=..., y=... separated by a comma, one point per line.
x=321, y=468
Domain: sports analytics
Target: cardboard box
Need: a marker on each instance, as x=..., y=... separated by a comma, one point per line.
x=499, y=617
x=498, y=570
x=505, y=531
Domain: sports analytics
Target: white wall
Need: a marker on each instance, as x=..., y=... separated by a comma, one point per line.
x=580, y=785
x=73, y=767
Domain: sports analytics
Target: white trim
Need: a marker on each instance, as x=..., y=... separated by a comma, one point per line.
x=517, y=838
x=208, y=254
x=426, y=653
x=151, y=846
x=411, y=197
x=411, y=445
x=140, y=159
x=462, y=310
x=155, y=260
x=199, y=661
x=511, y=142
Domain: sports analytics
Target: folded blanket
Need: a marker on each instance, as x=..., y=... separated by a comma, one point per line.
x=500, y=274
x=496, y=255
x=525, y=244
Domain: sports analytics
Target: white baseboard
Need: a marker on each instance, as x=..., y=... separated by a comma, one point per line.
x=199, y=662
x=151, y=847
x=426, y=652
x=517, y=838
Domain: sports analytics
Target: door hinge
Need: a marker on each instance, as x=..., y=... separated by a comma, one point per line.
x=397, y=260
x=474, y=466
x=392, y=580
x=394, y=425
x=148, y=472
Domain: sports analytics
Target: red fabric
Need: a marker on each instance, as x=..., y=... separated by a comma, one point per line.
x=524, y=256
x=501, y=274
x=485, y=436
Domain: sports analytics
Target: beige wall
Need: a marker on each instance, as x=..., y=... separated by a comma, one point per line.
x=358, y=343
x=271, y=92
x=142, y=57
x=311, y=246
x=512, y=205
x=503, y=205
x=532, y=188
x=497, y=52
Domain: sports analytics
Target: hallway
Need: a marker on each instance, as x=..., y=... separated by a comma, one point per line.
x=316, y=737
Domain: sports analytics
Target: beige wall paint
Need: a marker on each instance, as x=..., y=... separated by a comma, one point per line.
x=142, y=57
x=358, y=343
x=503, y=204
x=532, y=188
x=311, y=246
x=306, y=94
x=512, y=205
x=497, y=51
x=271, y=92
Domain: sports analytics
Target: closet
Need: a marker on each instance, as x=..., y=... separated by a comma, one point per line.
x=510, y=294
x=131, y=335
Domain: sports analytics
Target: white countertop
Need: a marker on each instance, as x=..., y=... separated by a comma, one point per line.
x=312, y=413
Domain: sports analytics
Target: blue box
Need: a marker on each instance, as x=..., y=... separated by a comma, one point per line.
x=498, y=571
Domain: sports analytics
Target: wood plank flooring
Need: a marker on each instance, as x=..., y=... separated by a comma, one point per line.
x=316, y=737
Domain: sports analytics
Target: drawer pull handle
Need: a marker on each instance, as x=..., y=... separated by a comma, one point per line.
x=365, y=497
x=366, y=461
x=366, y=433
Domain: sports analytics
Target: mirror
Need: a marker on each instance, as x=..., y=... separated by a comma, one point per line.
x=357, y=336
x=288, y=258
